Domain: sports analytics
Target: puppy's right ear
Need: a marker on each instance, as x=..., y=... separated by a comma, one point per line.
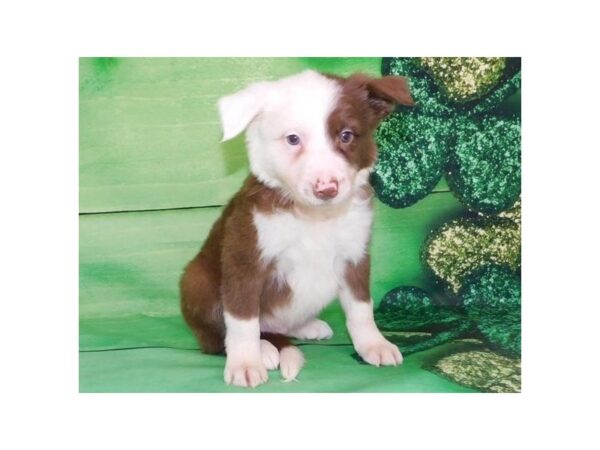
x=238, y=110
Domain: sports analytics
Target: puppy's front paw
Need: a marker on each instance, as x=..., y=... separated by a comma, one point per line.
x=245, y=373
x=381, y=353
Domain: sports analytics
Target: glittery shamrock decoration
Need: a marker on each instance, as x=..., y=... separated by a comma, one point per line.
x=455, y=129
x=403, y=178
x=462, y=246
x=482, y=370
x=488, y=307
x=464, y=79
x=409, y=308
x=492, y=299
x=513, y=213
x=432, y=101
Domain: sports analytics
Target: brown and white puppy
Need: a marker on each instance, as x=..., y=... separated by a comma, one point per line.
x=296, y=235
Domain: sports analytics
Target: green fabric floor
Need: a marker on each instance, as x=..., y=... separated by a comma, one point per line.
x=153, y=178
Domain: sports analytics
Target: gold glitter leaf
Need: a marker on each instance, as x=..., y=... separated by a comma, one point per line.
x=482, y=370
x=462, y=246
x=465, y=79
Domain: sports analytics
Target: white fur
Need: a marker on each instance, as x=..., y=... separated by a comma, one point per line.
x=300, y=105
x=244, y=366
x=310, y=255
x=291, y=361
x=269, y=354
x=238, y=110
x=314, y=330
x=366, y=337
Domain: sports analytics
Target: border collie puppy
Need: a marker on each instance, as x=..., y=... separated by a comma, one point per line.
x=296, y=235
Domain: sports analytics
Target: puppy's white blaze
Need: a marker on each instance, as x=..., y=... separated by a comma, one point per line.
x=291, y=361
x=301, y=105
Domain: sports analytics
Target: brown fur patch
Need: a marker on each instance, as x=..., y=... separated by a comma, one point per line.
x=227, y=274
x=364, y=101
x=358, y=278
x=387, y=92
x=278, y=340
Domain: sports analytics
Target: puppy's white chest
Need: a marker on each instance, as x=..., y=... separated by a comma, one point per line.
x=310, y=256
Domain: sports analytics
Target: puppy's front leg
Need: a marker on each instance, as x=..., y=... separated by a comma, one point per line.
x=241, y=286
x=356, y=301
x=244, y=366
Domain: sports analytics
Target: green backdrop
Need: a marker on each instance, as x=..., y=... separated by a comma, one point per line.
x=153, y=178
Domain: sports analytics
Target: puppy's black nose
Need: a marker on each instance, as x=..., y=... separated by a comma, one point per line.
x=326, y=191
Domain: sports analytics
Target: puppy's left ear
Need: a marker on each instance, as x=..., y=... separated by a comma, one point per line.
x=239, y=109
x=387, y=92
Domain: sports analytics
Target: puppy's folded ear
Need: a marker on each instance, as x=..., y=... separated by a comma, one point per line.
x=239, y=109
x=387, y=92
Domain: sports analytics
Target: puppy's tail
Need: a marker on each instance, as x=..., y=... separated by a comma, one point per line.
x=291, y=359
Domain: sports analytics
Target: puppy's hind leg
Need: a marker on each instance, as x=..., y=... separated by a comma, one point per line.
x=313, y=330
x=201, y=308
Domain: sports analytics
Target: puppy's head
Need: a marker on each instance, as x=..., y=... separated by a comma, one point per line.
x=311, y=135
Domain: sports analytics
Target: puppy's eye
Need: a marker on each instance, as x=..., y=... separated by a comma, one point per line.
x=346, y=136
x=293, y=139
